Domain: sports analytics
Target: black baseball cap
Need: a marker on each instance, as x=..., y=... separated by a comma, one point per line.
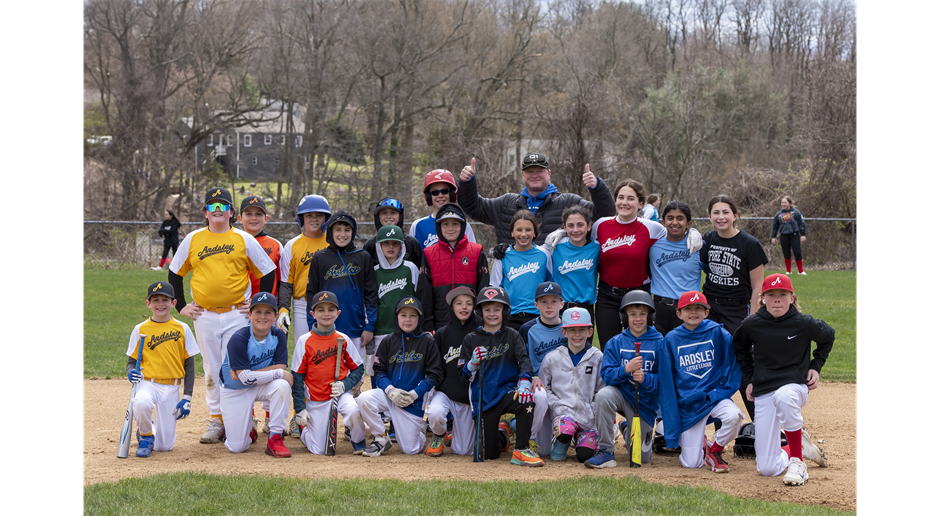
x=219, y=194
x=548, y=288
x=254, y=200
x=161, y=287
x=534, y=160
x=324, y=296
x=263, y=298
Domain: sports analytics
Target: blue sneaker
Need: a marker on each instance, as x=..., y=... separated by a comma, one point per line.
x=601, y=459
x=145, y=446
x=560, y=450
x=359, y=447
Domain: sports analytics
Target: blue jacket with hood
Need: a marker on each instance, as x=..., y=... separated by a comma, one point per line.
x=699, y=369
x=620, y=350
x=347, y=272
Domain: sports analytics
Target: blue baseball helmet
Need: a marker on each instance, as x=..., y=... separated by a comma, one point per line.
x=312, y=204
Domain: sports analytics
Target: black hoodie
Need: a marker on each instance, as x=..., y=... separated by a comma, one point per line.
x=449, y=340
x=413, y=251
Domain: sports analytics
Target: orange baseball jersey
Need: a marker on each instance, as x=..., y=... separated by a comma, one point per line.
x=220, y=263
x=319, y=363
x=295, y=261
x=166, y=346
x=273, y=248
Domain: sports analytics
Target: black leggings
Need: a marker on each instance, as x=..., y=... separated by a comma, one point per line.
x=607, y=311
x=492, y=440
x=167, y=246
x=791, y=241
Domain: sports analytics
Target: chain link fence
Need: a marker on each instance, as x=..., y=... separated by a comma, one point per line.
x=830, y=243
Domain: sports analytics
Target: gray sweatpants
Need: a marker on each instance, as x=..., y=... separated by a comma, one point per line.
x=609, y=401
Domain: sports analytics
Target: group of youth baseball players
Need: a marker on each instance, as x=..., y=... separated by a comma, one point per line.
x=464, y=356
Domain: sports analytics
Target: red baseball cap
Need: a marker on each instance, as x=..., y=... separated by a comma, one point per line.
x=693, y=297
x=777, y=282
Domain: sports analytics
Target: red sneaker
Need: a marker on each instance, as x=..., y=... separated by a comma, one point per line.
x=276, y=446
x=448, y=439
x=714, y=460
x=253, y=434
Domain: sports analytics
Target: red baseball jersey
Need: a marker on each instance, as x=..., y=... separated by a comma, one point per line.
x=319, y=363
x=273, y=248
x=625, y=250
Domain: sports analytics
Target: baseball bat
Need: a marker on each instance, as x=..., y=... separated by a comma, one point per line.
x=331, y=431
x=635, y=433
x=124, y=443
x=480, y=452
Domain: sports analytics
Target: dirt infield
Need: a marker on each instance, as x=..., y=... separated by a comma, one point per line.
x=830, y=416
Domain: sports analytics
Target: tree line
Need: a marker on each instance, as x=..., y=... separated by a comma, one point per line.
x=754, y=98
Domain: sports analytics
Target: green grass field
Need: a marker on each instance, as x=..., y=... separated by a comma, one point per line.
x=268, y=495
x=114, y=304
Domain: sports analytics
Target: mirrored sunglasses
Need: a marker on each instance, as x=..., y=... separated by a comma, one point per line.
x=218, y=206
x=391, y=203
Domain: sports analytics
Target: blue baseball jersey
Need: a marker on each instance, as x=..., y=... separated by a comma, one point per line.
x=673, y=269
x=244, y=351
x=425, y=232
x=575, y=269
x=520, y=273
x=540, y=340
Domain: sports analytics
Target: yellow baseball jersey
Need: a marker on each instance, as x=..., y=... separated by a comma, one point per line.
x=220, y=263
x=166, y=346
x=295, y=261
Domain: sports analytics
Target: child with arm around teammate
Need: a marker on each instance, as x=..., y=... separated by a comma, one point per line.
x=625, y=373
x=453, y=395
x=407, y=367
x=774, y=347
x=255, y=369
x=698, y=375
x=167, y=361
x=315, y=382
x=495, y=355
x=572, y=377
x=220, y=258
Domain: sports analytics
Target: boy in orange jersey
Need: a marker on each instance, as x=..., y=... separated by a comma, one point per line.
x=315, y=382
x=253, y=216
x=220, y=258
x=168, y=361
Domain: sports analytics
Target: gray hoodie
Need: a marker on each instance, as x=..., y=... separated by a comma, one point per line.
x=571, y=389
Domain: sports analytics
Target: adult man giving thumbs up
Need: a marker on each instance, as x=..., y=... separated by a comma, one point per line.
x=539, y=195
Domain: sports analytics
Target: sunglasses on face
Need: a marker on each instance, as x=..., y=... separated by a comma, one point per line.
x=391, y=203
x=442, y=191
x=217, y=206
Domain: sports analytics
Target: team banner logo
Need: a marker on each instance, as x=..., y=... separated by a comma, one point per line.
x=696, y=359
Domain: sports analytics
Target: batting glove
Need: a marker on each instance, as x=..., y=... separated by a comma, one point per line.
x=525, y=391
x=551, y=241
x=302, y=418
x=182, y=408
x=694, y=242
x=283, y=320
x=392, y=392
x=405, y=398
x=479, y=355
x=336, y=389
x=134, y=376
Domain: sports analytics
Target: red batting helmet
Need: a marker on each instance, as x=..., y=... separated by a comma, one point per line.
x=439, y=176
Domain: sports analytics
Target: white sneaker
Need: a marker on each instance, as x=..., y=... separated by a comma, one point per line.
x=803, y=273
x=156, y=268
x=214, y=432
x=813, y=452
x=796, y=473
x=788, y=273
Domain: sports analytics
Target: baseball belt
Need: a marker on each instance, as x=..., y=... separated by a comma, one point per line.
x=170, y=381
x=220, y=309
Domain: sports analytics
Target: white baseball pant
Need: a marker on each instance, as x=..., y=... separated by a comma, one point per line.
x=541, y=425
x=314, y=436
x=464, y=434
x=163, y=398
x=409, y=429
x=691, y=440
x=213, y=332
x=236, y=411
x=773, y=411
x=299, y=321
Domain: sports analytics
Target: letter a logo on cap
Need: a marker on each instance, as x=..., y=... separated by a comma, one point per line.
x=694, y=298
x=775, y=281
x=217, y=192
x=321, y=298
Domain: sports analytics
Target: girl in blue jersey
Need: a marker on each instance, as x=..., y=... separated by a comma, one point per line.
x=574, y=260
x=673, y=270
x=523, y=267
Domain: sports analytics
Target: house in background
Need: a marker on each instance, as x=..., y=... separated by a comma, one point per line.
x=258, y=150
